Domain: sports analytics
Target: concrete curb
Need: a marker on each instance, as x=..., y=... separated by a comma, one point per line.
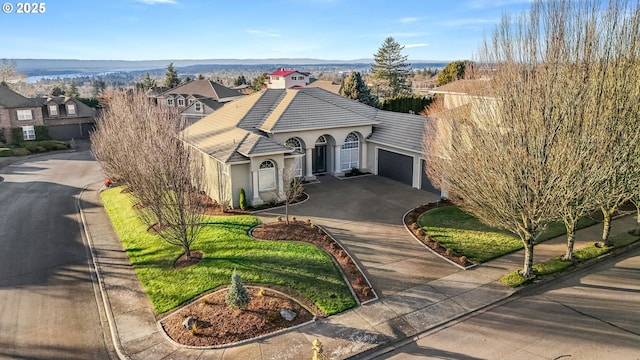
x=115, y=338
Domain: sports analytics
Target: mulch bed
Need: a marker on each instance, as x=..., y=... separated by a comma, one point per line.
x=183, y=261
x=309, y=233
x=410, y=221
x=217, y=324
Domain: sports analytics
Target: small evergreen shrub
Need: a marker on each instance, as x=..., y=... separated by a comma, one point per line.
x=6, y=152
x=237, y=295
x=279, y=218
x=21, y=152
x=243, y=200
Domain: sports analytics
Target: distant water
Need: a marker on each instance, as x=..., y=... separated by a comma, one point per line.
x=35, y=78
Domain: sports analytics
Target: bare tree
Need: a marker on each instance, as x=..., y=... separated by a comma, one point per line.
x=139, y=142
x=293, y=188
x=511, y=156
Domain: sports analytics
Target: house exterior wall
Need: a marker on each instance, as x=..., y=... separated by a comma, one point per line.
x=240, y=179
x=287, y=82
x=9, y=119
x=5, y=124
x=455, y=100
x=217, y=184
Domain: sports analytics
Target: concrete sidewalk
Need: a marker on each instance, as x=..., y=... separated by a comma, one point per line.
x=373, y=327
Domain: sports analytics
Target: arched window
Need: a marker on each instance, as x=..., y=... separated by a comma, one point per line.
x=267, y=176
x=294, y=144
x=321, y=140
x=350, y=156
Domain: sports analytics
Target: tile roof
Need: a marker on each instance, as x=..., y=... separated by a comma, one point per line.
x=205, y=88
x=327, y=85
x=82, y=109
x=285, y=72
x=233, y=133
x=11, y=99
x=403, y=131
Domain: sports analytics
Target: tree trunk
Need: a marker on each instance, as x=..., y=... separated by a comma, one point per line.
x=527, y=269
x=606, y=227
x=637, y=230
x=187, y=251
x=286, y=211
x=571, y=237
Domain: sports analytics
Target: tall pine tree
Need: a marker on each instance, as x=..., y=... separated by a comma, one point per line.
x=355, y=88
x=171, y=77
x=390, y=70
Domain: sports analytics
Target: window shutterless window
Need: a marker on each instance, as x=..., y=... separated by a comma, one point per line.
x=267, y=176
x=71, y=109
x=28, y=133
x=53, y=110
x=24, y=115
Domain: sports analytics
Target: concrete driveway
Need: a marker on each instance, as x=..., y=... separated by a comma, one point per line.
x=365, y=215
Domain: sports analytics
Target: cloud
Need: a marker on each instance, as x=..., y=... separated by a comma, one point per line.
x=408, y=20
x=409, y=46
x=153, y=2
x=264, y=33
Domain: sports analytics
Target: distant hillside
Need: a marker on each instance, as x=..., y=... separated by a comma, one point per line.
x=32, y=67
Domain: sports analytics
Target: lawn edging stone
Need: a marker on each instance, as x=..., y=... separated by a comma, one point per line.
x=407, y=225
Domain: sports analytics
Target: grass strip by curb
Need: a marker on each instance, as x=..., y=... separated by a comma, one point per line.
x=555, y=265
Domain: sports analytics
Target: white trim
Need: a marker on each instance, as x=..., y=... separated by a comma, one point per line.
x=21, y=114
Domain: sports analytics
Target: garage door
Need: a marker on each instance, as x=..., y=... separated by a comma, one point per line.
x=395, y=166
x=426, y=183
x=70, y=131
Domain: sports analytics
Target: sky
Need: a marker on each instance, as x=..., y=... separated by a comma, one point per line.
x=249, y=29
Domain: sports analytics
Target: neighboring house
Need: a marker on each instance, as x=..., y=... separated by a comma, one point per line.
x=17, y=111
x=327, y=85
x=287, y=79
x=68, y=118
x=457, y=93
x=248, y=143
x=197, y=98
x=200, y=108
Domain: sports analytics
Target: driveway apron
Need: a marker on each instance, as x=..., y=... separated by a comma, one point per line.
x=365, y=215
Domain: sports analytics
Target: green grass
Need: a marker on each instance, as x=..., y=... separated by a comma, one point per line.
x=226, y=246
x=466, y=235
x=551, y=266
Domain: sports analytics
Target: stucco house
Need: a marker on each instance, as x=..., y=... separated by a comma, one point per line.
x=287, y=79
x=249, y=142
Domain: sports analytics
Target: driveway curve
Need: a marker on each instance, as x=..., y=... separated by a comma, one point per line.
x=365, y=215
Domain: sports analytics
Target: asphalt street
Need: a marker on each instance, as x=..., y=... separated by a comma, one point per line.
x=48, y=307
x=592, y=314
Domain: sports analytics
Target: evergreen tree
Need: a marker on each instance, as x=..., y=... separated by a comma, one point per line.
x=186, y=80
x=200, y=77
x=98, y=87
x=171, y=79
x=355, y=88
x=73, y=90
x=57, y=91
x=148, y=82
x=237, y=295
x=390, y=69
x=453, y=71
x=240, y=81
x=258, y=83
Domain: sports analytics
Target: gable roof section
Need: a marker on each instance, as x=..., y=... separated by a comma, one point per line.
x=217, y=134
x=11, y=99
x=267, y=102
x=206, y=88
x=315, y=108
x=255, y=144
x=402, y=131
x=286, y=72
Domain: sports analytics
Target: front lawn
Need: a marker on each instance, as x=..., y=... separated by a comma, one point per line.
x=226, y=246
x=466, y=235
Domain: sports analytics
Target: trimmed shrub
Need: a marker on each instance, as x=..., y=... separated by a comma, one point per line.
x=243, y=200
x=237, y=295
x=21, y=152
x=6, y=152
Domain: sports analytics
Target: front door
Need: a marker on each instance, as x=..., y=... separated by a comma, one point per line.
x=319, y=159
